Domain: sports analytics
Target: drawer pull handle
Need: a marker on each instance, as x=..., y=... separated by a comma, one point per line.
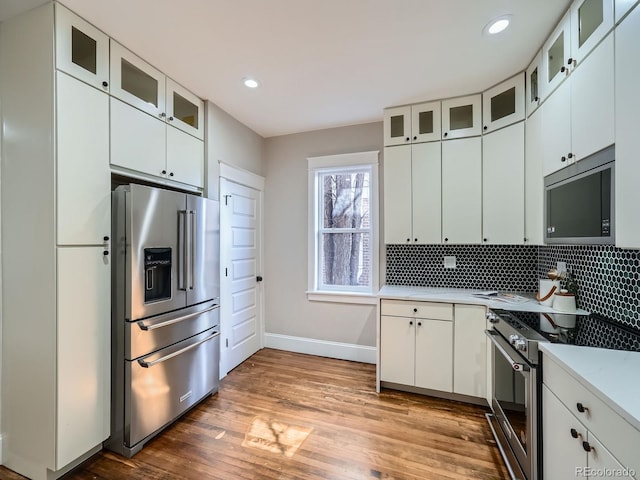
x=587, y=447
x=581, y=408
x=575, y=434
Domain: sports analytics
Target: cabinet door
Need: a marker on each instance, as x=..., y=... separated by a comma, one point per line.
x=534, y=84
x=434, y=354
x=533, y=181
x=470, y=351
x=84, y=349
x=592, y=102
x=397, y=349
x=137, y=140
x=503, y=186
x=622, y=7
x=397, y=194
x=503, y=104
x=462, y=190
x=556, y=128
x=397, y=126
x=591, y=21
x=562, y=453
x=599, y=459
x=425, y=122
x=461, y=117
x=84, y=179
x=81, y=49
x=627, y=109
x=185, y=158
x=555, y=55
x=184, y=110
x=426, y=187
x=136, y=82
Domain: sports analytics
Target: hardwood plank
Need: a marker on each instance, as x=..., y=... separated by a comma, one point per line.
x=357, y=433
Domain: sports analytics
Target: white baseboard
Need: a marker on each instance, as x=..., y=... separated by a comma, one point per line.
x=322, y=348
x=1, y=462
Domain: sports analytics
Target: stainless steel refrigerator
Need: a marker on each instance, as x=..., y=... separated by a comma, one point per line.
x=165, y=310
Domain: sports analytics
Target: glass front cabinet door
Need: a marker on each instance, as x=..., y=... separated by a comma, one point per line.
x=81, y=49
x=556, y=56
x=185, y=110
x=533, y=84
x=425, y=122
x=397, y=126
x=136, y=82
x=461, y=117
x=591, y=20
x=503, y=104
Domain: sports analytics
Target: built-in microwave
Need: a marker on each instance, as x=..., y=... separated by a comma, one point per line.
x=579, y=201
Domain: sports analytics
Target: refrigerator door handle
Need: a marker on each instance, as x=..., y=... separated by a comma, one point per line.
x=175, y=354
x=182, y=218
x=188, y=242
x=147, y=328
x=192, y=253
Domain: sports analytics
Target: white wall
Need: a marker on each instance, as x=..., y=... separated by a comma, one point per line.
x=231, y=142
x=288, y=312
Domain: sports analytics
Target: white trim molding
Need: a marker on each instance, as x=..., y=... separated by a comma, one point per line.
x=321, y=348
x=241, y=176
x=1, y=459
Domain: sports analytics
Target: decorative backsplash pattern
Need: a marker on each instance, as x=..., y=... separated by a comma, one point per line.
x=484, y=267
x=608, y=278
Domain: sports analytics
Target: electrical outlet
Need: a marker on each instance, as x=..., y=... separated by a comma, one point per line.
x=449, y=261
x=561, y=267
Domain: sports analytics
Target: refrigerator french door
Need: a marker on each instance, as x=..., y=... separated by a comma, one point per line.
x=165, y=310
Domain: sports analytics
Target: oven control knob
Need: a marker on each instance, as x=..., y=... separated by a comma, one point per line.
x=492, y=317
x=513, y=339
x=520, y=345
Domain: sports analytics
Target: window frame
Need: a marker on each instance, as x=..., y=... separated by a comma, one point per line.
x=335, y=163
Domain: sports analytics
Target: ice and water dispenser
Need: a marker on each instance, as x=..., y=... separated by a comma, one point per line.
x=157, y=274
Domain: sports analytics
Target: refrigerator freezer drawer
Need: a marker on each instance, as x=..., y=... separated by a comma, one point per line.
x=146, y=336
x=165, y=384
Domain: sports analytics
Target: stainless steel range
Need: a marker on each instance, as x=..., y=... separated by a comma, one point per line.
x=517, y=375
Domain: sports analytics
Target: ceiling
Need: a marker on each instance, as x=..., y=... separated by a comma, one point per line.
x=322, y=63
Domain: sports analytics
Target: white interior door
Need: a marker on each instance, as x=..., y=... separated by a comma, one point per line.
x=240, y=288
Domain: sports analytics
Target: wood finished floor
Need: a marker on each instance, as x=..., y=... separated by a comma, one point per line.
x=357, y=433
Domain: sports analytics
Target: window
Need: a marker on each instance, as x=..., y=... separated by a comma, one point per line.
x=343, y=207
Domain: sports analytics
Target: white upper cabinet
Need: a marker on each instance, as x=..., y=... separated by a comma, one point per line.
x=556, y=54
x=534, y=185
x=622, y=7
x=534, y=84
x=425, y=122
x=503, y=104
x=185, y=110
x=461, y=117
x=81, y=49
x=397, y=126
x=412, y=124
x=136, y=82
x=591, y=20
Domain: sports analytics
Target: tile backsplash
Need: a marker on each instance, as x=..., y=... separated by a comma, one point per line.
x=608, y=278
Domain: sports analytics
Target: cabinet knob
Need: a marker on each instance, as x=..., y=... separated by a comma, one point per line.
x=574, y=433
x=563, y=69
x=485, y=128
x=525, y=239
x=570, y=61
x=171, y=119
x=171, y=174
x=581, y=408
x=162, y=115
x=536, y=99
x=164, y=172
x=105, y=238
x=105, y=84
x=563, y=159
x=570, y=155
x=587, y=447
x=419, y=324
x=415, y=239
x=446, y=239
x=411, y=322
x=408, y=239
x=445, y=134
x=415, y=310
x=484, y=239
x=415, y=137
x=407, y=139
x=105, y=253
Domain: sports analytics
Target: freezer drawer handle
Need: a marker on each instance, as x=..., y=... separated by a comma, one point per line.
x=147, y=328
x=175, y=354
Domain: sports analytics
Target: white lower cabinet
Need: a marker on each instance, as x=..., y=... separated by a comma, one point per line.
x=582, y=436
x=470, y=350
x=416, y=344
x=462, y=191
x=533, y=181
x=435, y=346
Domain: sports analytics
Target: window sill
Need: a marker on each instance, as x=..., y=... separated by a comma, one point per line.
x=342, y=297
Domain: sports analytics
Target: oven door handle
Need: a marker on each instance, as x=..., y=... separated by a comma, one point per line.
x=496, y=339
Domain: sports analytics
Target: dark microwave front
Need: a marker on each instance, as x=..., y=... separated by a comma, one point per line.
x=579, y=201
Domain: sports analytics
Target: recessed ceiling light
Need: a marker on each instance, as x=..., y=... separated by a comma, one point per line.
x=250, y=82
x=497, y=25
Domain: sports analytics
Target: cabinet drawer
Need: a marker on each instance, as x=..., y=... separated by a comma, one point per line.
x=620, y=437
x=403, y=308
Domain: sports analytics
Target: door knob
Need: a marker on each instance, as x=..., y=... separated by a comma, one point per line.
x=259, y=278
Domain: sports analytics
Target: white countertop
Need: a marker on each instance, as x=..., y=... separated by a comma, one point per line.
x=612, y=375
x=460, y=295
